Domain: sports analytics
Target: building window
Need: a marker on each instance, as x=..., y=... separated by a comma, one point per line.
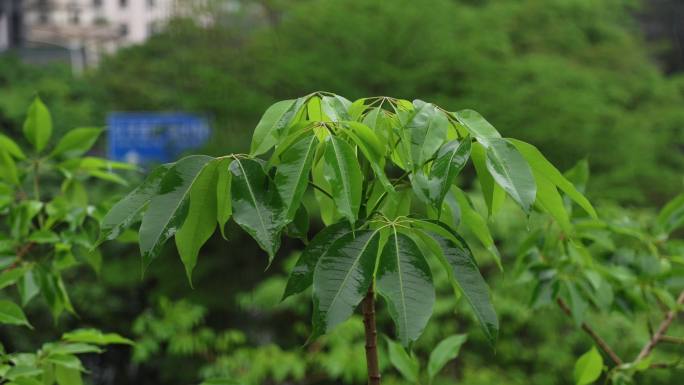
x=43, y=17
x=97, y=3
x=123, y=30
x=123, y=3
x=151, y=3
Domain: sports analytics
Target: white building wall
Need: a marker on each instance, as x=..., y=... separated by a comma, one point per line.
x=99, y=26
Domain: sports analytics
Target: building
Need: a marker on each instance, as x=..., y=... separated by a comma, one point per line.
x=87, y=29
x=10, y=24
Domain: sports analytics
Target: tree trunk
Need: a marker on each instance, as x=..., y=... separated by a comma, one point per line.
x=371, y=337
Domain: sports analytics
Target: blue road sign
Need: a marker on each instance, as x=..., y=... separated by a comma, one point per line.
x=150, y=137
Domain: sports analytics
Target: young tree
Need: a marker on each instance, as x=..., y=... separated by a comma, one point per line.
x=48, y=226
x=383, y=172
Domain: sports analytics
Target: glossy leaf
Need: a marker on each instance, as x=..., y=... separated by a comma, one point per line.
x=335, y=107
x=493, y=194
x=127, y=210
x=426, y=132
x=301, y=276
x=168, y=208
x=451, y=159
x=76, y=142
x=292, y=174
x=342, y=172
x=197, y=228
x=588, y=367
x=256, y=204
x=540, y=164
x=342, y=277
x=459, y=263
x=511, y=171
x=478, y=126
x=38, y=125
x=271, y=125
x=372, y=149
x=445, y=351
x=406, y=364
x=11, y=314
x=405, y=281
x=224, y=207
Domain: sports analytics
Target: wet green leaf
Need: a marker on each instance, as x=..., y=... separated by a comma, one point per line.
x=196, y=228
x=540, y=164
x=342, y=277
x=405, y=281
x=342, y=172
x=292, y=174
x=256, y=204
x=478, y=126
x=493, y=193
x=459, y=263
x=168, y=208
x=426, y=132
x=127, y=210
x=301, y=276
x=271, y=125
x=511, y=171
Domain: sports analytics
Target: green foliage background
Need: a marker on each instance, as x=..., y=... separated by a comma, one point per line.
x=574, y=77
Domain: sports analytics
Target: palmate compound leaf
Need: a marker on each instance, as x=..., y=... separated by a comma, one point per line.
x=198, y=225
x=127, y=210
x=405, y=281
x=342, y=277
x=301, y=276
x=256, y=204
x=168, y=208
x=459, y=263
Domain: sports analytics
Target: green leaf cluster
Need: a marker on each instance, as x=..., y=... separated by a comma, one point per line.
x=383, y=172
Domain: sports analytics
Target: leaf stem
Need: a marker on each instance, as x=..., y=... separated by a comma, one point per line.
x=599, y=341
x=319, y=188
x=371, y=332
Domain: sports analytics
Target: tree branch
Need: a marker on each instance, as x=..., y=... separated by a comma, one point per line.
x=660, y=333
x=599, y=341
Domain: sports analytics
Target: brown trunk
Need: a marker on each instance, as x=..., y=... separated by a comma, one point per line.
x=368, y=306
